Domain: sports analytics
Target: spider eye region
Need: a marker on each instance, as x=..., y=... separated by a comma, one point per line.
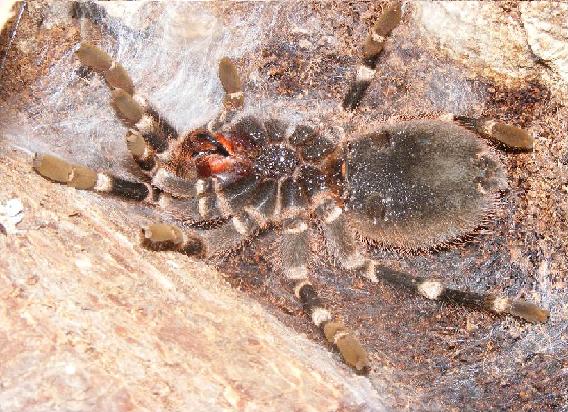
x=276, y=161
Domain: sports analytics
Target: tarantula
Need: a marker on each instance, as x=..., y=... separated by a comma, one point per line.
x=238, y=175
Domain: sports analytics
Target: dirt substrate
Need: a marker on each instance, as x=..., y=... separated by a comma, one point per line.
x=91, y=321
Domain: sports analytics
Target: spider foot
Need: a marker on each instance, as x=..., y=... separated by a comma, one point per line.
x=374, y=43
x=212, y=239
x=519, y=308
x=436, y=290
x=335, y=332
x=162, y=237
x=511, y=136
x=114, y=73
x=231, y=82
x=348, y=345
x=60, y=171
x=83, y=178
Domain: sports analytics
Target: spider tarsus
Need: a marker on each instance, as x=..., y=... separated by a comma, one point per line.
x=511, y=136
x=126, y=108
x=98, y=60
x=229, y=76
x=162, y=237
x=335, y=332
x=435, y=290
x=348, y=345
x=527, y=311
x=93, y=57
x=231, y=82
x=58, y=170
x=53, y=168
x=389, y=19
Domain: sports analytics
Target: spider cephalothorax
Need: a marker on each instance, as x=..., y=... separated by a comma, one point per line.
x=410, y=185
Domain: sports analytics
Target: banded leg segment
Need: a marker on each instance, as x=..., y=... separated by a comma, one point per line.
x=386, y=23
x=84, y=178
x=346, y=249
x=194, y=201
x=220, y=196
x=112, y=71
x=200, y=243
x=335, y=332
x=295, y=251
x=340, y=241
x=232, y=85
x=510, y=136
x=295, y=248
x=435, y=290
x=234, y=99
x=142, y=152
x=134, y=111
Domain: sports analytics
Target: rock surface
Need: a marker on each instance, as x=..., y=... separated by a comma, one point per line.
x=90, y=321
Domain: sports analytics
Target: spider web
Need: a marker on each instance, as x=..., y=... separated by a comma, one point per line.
x=171, y=51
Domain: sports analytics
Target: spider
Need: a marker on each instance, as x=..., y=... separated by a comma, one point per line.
x=241, y=175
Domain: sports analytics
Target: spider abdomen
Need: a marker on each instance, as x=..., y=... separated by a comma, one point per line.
x=417, y=184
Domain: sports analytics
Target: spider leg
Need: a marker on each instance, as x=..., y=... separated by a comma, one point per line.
x=435, y=290
x=340, y=241
x=335, y=332
x=206, y=199
x=113, y=72
x=511, y=136
x=198, y=203
x=342, y=244
x=374, y=43
x=294, y=249
x=142, y=152
x=84, y=178
x=207, y=243
x=200, y=243
x=133, y=110
x=234, y=97
x=217, y=197
x=312, y=145
x=232, y=84
x=135, y=113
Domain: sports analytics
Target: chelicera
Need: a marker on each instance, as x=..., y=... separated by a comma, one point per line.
x=411, y=185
